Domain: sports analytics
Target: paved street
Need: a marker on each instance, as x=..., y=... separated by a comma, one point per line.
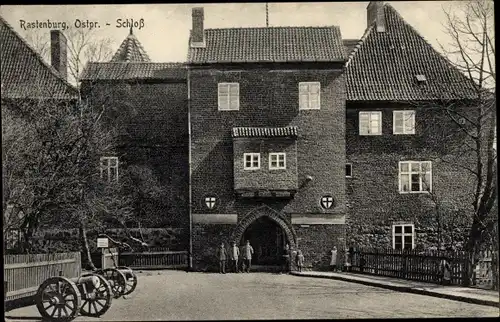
x=175, y=295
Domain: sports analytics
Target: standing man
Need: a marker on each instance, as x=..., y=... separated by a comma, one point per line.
x=333, y=260
x=247, y=255
x=235, y=254
x=222, y=255
x=286, y=259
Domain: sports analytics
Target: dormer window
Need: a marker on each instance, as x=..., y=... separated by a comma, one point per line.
x=421, y=78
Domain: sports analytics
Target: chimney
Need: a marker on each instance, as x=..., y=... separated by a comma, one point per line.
x=375, y=13
x=59, y=52
x=198, y=32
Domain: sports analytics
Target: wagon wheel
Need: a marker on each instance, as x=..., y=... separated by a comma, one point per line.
x=58, y=299
x=131, y=282
x=96, y=300
x=116, y=279
x=131, y=278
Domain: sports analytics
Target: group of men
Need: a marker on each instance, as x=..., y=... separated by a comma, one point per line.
x=240, y=260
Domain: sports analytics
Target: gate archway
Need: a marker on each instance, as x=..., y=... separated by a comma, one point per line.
x=265, y=211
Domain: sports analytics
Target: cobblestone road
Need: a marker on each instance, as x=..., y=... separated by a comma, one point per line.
x=175, y=295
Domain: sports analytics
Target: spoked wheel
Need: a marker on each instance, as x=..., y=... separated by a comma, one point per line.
x=96, y=296
x=131, y=282
x=116, y=279
x=58, y=299
x=131, y=278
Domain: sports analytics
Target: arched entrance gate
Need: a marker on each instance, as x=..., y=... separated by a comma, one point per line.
x=268, y=232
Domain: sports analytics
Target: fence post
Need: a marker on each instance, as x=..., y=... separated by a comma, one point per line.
x=5, y=286
x=103, y=259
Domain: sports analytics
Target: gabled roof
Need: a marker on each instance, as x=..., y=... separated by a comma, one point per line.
x=384, y=66
x=24, y=73
x=270, y=44
x=134, y=70
x=246, y=132
x=131, y=50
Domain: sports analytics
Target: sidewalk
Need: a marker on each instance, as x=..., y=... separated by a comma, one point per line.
x=457, y=293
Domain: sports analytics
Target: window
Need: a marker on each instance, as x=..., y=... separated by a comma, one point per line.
x=403, y=237
x=309, y=95
x=415, y=176
x=277, y=161
x=229, y=96
x=403, y=122
x=348, y=170
x=109, y=168
x=251, y=161
x=370, y=123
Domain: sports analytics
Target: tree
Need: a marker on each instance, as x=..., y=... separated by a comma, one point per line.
x=467, y=118
x=51, y=152
x=472, y=51
x=83, y=46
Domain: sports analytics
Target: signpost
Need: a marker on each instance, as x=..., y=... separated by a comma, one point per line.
x=102, y=243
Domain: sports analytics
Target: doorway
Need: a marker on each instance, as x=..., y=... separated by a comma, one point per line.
x=268, y=241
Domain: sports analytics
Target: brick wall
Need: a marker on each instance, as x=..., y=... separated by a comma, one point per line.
x=269, y=98
x=316, y=242
x=373, y=196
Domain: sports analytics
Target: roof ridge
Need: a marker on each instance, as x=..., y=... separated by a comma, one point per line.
x=38, y=56
x=274, y=27
x=359, y=44
x=136, y=62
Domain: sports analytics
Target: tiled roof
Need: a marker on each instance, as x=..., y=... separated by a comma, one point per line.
x=123, y=71
x=383, y=66
x=270, y=44
x=290, y=131
x=24, y=73
x=131, y=50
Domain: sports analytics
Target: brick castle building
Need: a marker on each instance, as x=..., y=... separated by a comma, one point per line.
x=293, y=135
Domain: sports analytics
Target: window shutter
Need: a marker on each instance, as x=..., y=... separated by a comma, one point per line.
x=398, y=122
x=363, y=123
x=223, y=96
x=409, y=122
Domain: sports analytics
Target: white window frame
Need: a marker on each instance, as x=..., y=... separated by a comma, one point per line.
x=348, y=164
x=106, y=167
x=409, y=174
x=403, y=234
x=309, y=95
x=278, y=155
x=370, y=113
x=228, y=97
x=251, y=155
x=406, y=114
